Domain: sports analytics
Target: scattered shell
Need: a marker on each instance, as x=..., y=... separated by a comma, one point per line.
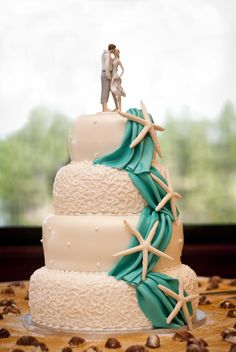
x=153, y=341
x=4, y=333
x=66, y=349
x=196, y=345
x=204, y=300
x=182, y=336
x=231, y=313
x=136, y=348
x=76, y=341
x=229, y=335
x=12, y=310
x=7, y=302
x=227, y=305
x=27, y=341
x=43, y=347
x=112, y=342
x=217, y=279
x=92, y=349
x=212, y=286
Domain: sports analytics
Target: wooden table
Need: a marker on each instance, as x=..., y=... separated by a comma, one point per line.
x=216, y=321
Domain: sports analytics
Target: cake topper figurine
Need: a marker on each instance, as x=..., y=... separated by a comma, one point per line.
x=116, y=87
x=110, y=78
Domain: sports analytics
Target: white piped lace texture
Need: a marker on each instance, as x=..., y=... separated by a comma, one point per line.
x=89, y=301
x=85, y=188
x=92, y=301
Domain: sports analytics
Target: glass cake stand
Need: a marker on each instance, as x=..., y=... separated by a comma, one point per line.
x=198, y=320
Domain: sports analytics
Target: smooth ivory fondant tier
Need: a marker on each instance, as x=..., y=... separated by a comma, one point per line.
x=95, y=135
x=92, y=301
x=87, y=243
x=85, y=188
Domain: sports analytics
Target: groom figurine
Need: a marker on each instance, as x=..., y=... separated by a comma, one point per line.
x=106, y=75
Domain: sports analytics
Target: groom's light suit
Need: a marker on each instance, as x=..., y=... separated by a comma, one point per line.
x=106, y=72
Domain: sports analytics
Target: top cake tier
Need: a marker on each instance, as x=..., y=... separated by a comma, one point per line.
x=95, y=135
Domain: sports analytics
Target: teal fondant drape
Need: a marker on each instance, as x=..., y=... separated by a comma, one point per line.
x=137, y=162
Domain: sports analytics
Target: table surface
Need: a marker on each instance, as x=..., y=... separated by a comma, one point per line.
x=210, y=331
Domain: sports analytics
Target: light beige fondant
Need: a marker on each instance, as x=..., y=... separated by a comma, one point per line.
x=87, y=243
x=73, y=290
x=92, y=301
x=95, y=135
x=84, y=188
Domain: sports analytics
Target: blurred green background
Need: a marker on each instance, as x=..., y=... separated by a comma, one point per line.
x=200, y=154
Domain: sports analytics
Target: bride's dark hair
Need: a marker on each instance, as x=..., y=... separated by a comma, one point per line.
x=111, y=46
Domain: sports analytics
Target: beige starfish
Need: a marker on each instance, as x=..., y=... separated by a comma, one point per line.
x=149, y=126
x=144, y=246
x=170, y=194
x=181, y=303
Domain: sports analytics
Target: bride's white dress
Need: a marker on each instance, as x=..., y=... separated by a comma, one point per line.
x=116, y=87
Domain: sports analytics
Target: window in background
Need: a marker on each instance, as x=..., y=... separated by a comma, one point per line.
x=29, y=159
x=175, y=54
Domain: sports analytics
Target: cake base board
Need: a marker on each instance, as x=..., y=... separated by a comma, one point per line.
x=198, y=320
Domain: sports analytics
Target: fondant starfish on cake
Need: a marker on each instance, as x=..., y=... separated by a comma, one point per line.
x=181, y=303
x=144, y=246
x=149, y=127
x=170, y=194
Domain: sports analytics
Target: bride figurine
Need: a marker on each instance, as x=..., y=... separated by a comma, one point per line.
x=116, y=88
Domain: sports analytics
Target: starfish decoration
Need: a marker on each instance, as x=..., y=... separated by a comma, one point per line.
x=181, y=303
x=149, y=126
x=144, y=246
x=170, y=194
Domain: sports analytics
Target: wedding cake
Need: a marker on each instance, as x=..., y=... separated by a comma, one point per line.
x=113, y=247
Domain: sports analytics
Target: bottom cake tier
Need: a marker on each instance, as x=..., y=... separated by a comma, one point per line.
x=92, y=300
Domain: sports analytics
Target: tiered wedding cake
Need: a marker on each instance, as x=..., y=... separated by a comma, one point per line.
x=112, y=249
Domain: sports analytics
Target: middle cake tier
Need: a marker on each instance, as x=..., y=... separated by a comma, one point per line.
x=88, y=242
x=84, y=188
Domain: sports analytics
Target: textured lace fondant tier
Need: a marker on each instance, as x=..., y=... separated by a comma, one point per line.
x=188, y=278
x=84, y=188
x=83, y=301
x=91, y=301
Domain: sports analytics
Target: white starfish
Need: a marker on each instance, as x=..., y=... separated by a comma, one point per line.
x=181, y=303
x=144, y=246
x=170, y=194
x=149, y=126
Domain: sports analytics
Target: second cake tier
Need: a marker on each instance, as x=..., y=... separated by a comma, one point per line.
x=88, y=242
x=84, y=188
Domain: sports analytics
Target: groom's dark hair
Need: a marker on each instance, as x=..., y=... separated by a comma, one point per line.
x=111, y=46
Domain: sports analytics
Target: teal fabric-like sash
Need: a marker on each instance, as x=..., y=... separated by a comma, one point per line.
x=137, y=162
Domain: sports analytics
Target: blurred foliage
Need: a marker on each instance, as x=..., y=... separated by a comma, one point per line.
x=200, y=154
x=29, y=159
